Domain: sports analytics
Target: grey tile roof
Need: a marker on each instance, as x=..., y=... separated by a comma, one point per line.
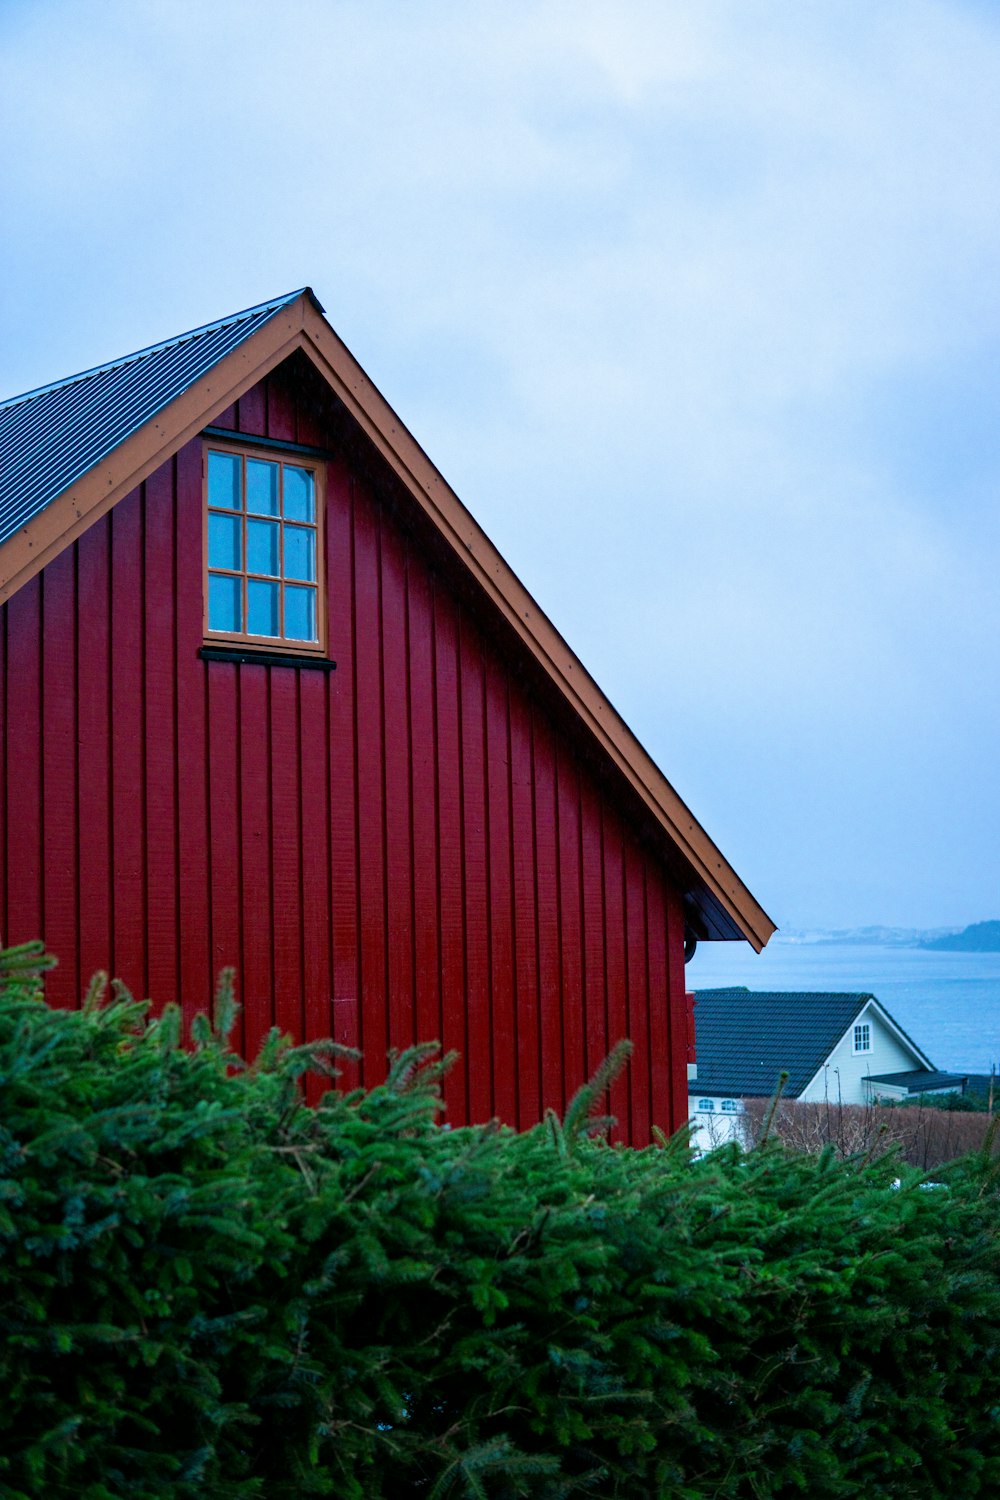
x=747, y=1038
x=50, y=437
x=920, y=1080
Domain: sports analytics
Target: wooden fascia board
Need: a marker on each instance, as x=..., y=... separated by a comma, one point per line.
x=407, y=459
x=300, y=325
x=46, y=535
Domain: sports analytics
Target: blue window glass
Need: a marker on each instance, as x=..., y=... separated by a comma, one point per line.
x=300, y=553
x=263, y=555
x=225, y=603
x=263, y=547
x=262, y=487
x=225, y=481
x=300, y=613
x=225, y=541
x=300, y=498
x=262, y=608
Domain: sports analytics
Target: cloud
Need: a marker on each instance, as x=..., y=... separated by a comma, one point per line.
x=696, y=304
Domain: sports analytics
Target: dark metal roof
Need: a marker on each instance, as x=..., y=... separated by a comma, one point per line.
x=920, y=1080
x=50, y=437
x=979, y=1083
x=747, y=1038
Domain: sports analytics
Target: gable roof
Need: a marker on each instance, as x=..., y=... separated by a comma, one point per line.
x=69, y=451
x=51, y=436
x=747, y=1038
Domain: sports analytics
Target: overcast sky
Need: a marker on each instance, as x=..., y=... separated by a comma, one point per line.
x=696, y=305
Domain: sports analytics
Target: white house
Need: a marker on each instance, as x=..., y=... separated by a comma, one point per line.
x=844, y=1048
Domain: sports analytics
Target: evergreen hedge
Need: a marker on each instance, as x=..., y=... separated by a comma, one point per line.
x=208, y=1289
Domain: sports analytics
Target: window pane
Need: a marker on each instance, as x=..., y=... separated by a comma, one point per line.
x=300, y=503
x=262, y=608
x=225, y=541
x=225, y=604
x=224, y=480
x=262, y=547
x=300, y=553
x=300, y=613
x=262, y=487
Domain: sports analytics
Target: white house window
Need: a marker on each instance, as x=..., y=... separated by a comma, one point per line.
x=706, y=1106
x=730, y=1107
x=862, y=1037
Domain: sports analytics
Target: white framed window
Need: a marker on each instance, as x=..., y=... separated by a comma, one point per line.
x=730, y=1107
x=706, y=1106
x=862, y=1037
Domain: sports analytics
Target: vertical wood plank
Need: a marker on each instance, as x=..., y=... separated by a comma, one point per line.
x=94, y=754
x=398, y=799
x=371, y=788
x=426, y=911
x=594, y=987
x=638, y=993
x=571, y=922
x=677, y=1002
x=504, y=1038
x=128, y=745
x=257, y=978
x=551, y=999
x=252, y=411
x=24, y=764
x=311, y=413
x=227, y=419
x=525, y=917
x=661, y=1111
x=161, y=738
x=59, y=785
x=280, y=407
x=4, y=808
x=194, y=909
x=453, y=1030
x=614, y=964
x=224, y=825
x=286, y=851
x=476, y=884
x=342, y=770
x=314, y=815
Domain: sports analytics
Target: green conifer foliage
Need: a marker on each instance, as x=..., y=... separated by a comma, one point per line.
x=208, y=1289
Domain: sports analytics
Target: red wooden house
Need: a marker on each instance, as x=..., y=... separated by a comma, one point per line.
x=271, y=699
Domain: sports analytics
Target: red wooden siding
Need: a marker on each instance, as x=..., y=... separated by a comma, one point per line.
x=404, y=849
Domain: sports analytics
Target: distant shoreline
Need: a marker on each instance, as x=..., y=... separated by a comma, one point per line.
x=978, y=937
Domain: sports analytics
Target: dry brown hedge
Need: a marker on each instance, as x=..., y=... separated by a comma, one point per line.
x=924, y=1136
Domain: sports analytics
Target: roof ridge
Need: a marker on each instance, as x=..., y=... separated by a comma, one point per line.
x=271, y=305
x=742, y=989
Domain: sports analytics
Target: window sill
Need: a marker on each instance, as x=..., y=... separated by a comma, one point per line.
x=247, y=656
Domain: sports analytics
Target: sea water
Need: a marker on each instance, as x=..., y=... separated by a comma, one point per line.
x=948, y=1003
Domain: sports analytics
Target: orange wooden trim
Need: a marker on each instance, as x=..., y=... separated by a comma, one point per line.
x=283, y=645
x=408, y=460
x=302, y=326
x=92, y=496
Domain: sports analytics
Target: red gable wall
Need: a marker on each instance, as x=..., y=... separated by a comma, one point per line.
x=406, y=848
